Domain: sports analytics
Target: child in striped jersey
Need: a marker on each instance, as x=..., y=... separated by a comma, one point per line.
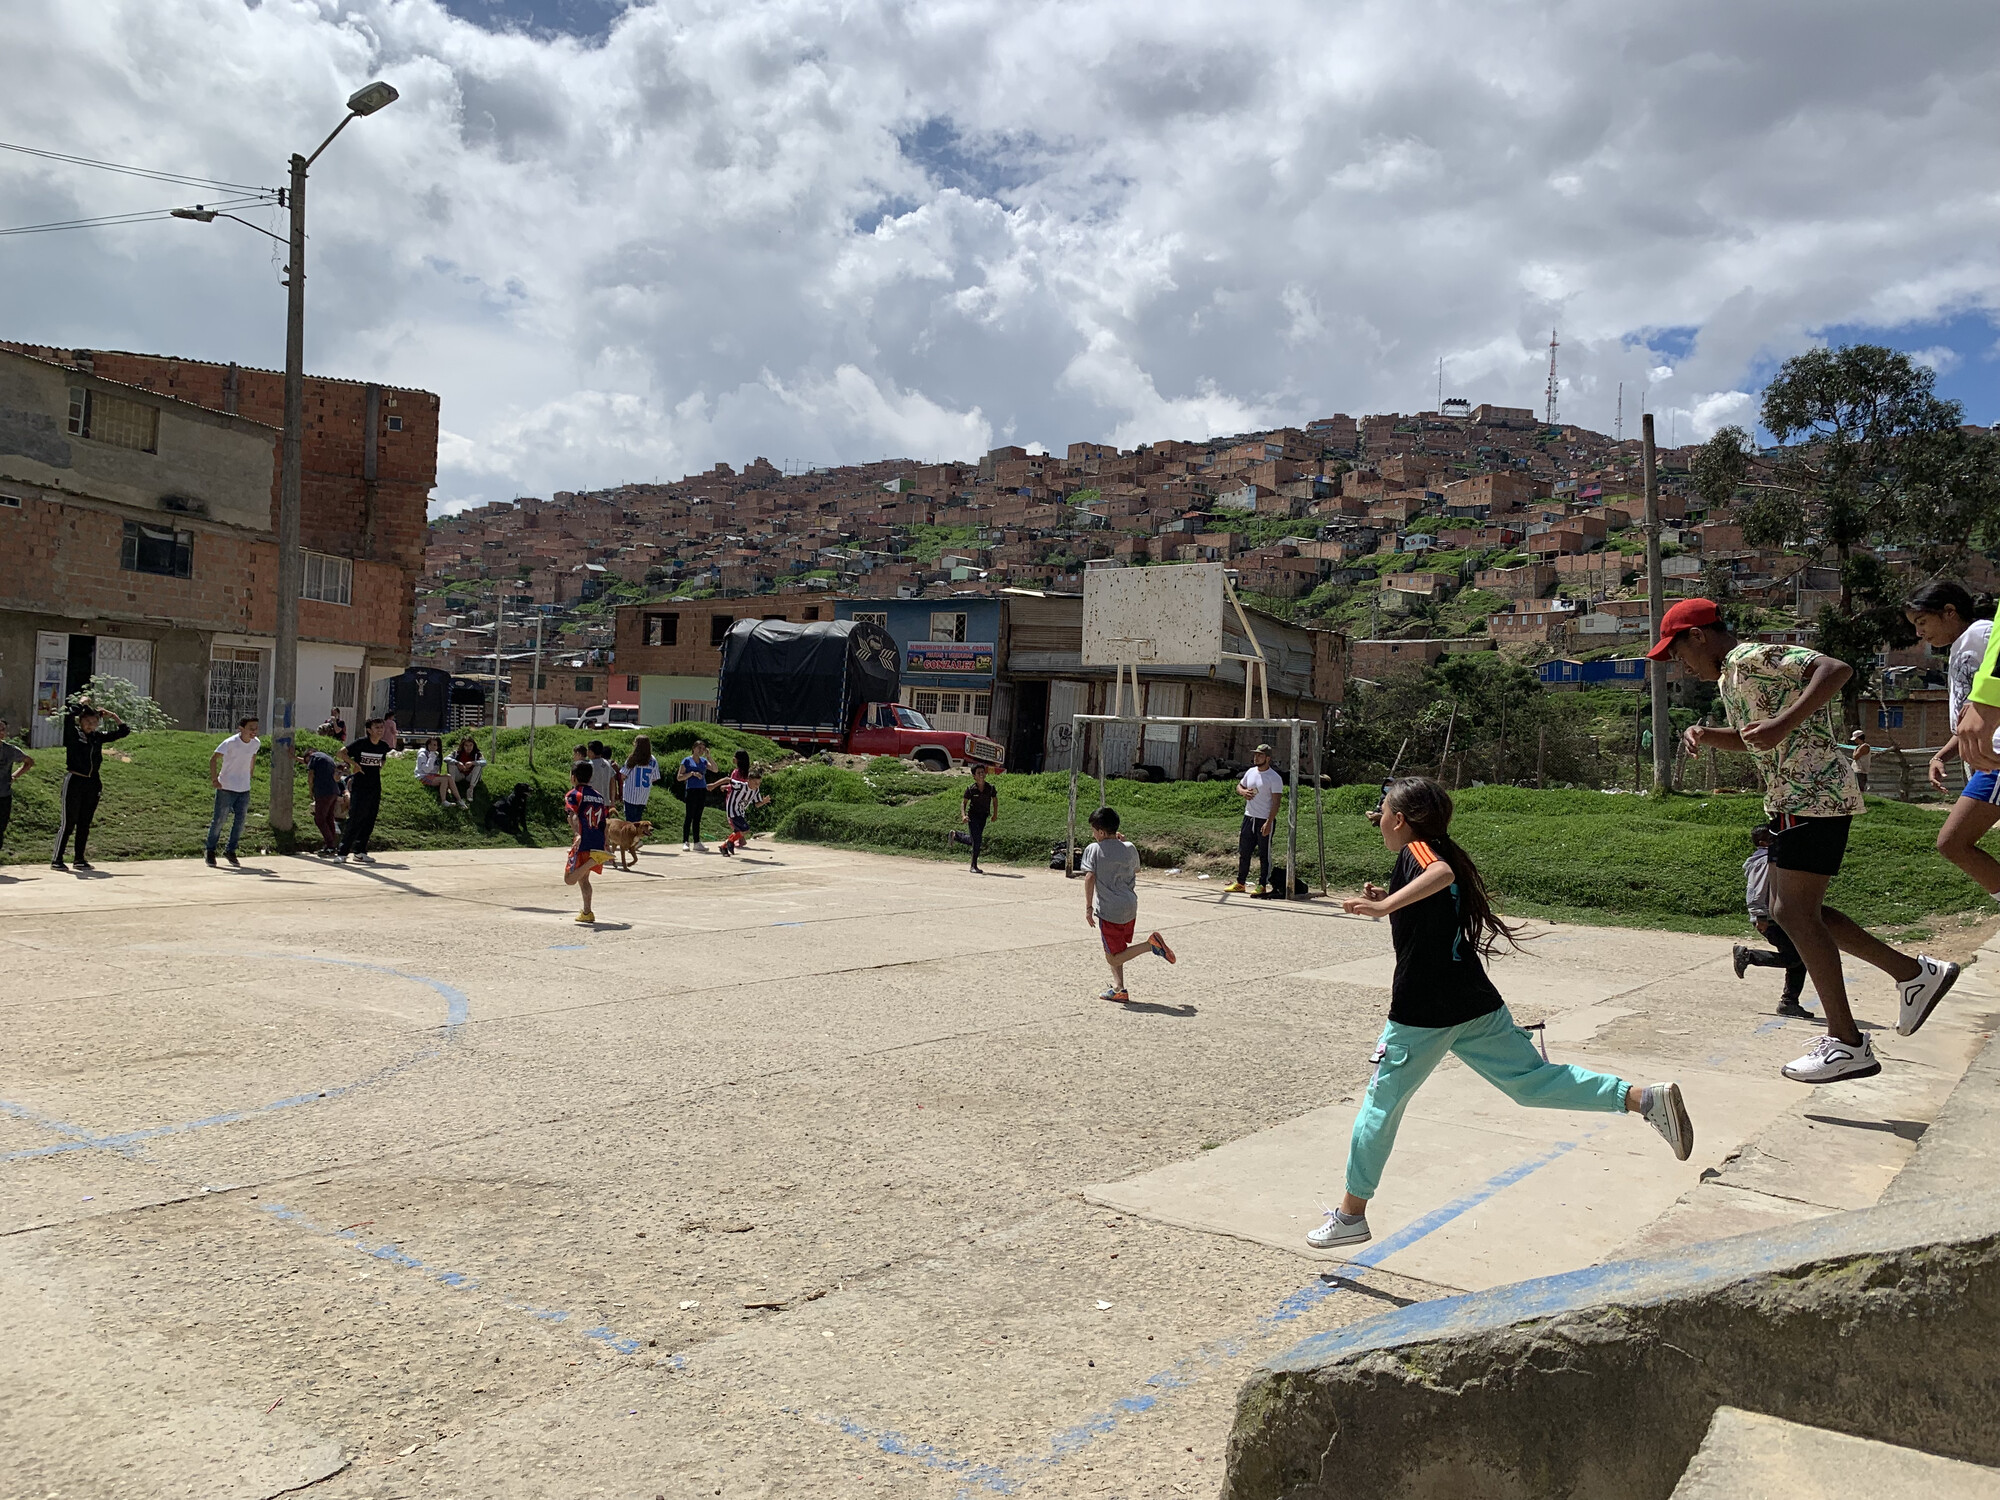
x=1443, y=1001
x=745, y=792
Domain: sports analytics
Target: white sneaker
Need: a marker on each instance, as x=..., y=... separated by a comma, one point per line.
x=1668, y=1115
x=700, y=847
x=686, y=847
x=1333, y=1232
x=1920, y=996
x=1831, y=1060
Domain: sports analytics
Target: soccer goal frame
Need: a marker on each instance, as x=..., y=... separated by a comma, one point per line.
x=1305, y=737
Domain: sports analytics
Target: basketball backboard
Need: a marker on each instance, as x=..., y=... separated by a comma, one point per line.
x=1168, y=616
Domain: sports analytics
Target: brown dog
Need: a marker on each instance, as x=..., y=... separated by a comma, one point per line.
x=623, y=839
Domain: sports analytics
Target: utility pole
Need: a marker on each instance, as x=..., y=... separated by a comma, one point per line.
x=1618, y=423
x=1656, y=596
x=493, y=735
x=535, y=689
x=285, y=657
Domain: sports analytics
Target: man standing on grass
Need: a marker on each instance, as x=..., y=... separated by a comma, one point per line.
x=977, y=805
x=14, y=761
x=229, y=770
x=84, y=739
x=1777, y=699
x=1261, y=789
x=364, y=791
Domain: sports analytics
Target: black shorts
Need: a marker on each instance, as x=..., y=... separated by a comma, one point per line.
x=1813, y=846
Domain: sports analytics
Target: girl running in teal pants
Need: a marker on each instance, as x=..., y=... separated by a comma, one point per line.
x=1444, y=1002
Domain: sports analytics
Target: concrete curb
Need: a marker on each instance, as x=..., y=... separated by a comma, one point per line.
x=1601, y=1383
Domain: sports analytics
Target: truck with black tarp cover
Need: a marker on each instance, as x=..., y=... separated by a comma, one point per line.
x=832, y=685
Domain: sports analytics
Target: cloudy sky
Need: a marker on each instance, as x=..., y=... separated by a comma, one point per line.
x=625, y=241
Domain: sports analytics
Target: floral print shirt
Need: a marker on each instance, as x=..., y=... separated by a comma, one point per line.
x=1808, y=775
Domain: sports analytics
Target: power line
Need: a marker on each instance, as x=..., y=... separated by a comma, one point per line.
x=139, y=217
x=147, y=172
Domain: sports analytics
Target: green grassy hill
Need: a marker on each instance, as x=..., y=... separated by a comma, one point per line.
x=1581, y=855
x=157, y=795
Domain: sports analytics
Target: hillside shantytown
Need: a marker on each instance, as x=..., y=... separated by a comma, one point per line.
x=1396, y=538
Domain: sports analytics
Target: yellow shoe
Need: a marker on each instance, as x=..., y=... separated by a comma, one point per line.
x=1261, y=890
x=586, y=916
x=1235, y=888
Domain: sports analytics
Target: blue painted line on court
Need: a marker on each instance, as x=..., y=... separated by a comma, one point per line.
x=389, y=1253
x=997, y=1478
x=458, y=1008
x=567, y=947
x=988, y=1477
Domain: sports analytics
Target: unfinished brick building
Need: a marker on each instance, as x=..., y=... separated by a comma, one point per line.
x=189, y=609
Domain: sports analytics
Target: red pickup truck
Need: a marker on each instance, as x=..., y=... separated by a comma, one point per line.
x=891, y=729
x=824, y=686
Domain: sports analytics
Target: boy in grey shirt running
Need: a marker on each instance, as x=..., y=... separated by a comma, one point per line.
x=1111, y=900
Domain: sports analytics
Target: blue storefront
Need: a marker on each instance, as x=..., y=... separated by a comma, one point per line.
x=950, y=650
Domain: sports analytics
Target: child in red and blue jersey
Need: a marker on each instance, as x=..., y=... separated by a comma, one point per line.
x=745, y=792
x=586, y=819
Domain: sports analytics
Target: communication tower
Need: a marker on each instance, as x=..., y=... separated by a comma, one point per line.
x=1618, y=423
x=1551, y=402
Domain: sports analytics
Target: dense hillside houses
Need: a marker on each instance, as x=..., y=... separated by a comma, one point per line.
x=1478, y=524
x=1300, y=513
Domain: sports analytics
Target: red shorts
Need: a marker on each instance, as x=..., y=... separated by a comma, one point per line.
x=578, y=858
x=1117, y=935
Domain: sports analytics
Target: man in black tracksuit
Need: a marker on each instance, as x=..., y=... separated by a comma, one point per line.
x=364, y=790
x=84, y=739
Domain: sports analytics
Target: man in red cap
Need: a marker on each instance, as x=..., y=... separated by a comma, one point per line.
x=1777, y=699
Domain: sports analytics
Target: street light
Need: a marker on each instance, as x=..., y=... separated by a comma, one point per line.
x=285, y=663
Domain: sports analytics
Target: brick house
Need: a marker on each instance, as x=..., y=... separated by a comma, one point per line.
x=669, y=652
x=148, y=535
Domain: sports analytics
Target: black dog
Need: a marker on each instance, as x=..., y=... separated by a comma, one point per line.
x=509, y=813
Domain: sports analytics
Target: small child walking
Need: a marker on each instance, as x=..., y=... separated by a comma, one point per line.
x=745, y=792
x=1444, y=1002
x=1781, y=954
x=1111, y=900
x=586, y=820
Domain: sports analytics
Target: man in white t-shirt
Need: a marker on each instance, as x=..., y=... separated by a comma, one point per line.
x=1261, y=789
x=229, y=771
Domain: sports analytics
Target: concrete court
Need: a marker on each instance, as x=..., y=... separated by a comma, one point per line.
x=398, y=1181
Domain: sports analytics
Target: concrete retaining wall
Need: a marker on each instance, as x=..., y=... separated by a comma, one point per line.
x=1884, y=1323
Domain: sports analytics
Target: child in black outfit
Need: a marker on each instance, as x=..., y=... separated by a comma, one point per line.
x=1757, y=901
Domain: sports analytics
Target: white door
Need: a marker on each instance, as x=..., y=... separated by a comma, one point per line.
x=131, y=660
x=1066, y=701
x=51, y=687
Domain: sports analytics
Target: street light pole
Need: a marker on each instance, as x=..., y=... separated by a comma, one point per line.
x=285, y=659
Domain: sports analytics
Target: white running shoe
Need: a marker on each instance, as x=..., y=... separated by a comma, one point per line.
x=1668, y=1115
x=1920, y=996
x=1333, y=1232
x=1832, y=1060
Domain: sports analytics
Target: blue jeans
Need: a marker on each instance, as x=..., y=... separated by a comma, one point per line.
x=1494, y=1048
x=234, y=803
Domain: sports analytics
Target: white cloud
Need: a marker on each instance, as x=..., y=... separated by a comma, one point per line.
x=1938, y=357
x=1086, y=218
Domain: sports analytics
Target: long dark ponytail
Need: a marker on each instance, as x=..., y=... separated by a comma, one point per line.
x=1941, y=594
x=1426, y=807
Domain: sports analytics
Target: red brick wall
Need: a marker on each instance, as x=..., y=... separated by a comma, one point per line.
x=60, y=558
x=692, y=655
x=383, y=523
